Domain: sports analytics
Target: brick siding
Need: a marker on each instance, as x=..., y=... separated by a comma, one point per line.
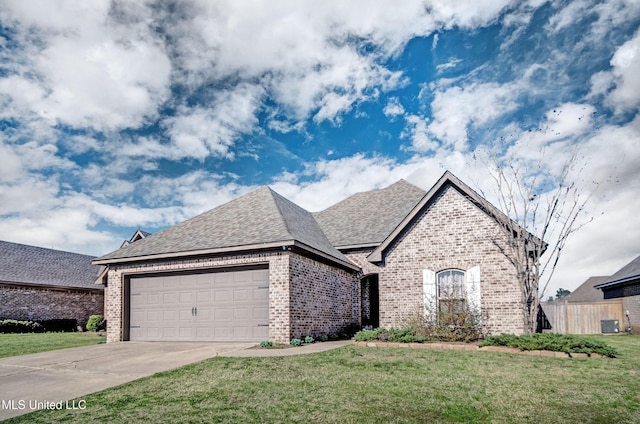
x=452, y=233
x=322, y=298
x=303, y=307
x=36, y=303
x=632, y=304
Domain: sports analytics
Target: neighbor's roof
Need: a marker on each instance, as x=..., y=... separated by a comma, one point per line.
x=31, y=265
x=629, y=272
x=367, y=218
x=587, y=291
x=258, y=219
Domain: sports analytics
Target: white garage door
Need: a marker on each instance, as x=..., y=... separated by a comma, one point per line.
x=220, y=306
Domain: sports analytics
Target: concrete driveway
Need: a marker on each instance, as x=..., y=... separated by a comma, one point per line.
x=27, y=382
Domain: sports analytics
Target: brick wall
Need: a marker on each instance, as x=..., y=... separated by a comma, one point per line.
x=279, y=321
x=451, y=233
x=632, y=304
x=34, y=303
x=322, y=298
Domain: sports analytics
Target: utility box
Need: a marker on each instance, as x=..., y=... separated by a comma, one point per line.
x=610, y=326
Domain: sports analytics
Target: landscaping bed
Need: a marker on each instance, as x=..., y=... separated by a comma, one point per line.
x=561, y=344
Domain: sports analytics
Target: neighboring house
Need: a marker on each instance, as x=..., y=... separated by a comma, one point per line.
x=44, y=284
x=625, y=285
x=260, y=267
x=584, y=310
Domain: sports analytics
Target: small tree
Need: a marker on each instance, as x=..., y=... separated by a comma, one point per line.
x=541, y=211
x=560, y=293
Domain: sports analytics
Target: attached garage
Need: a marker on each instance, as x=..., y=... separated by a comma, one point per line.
x=225, y=305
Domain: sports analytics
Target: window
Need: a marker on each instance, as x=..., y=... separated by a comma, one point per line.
x=451, y=293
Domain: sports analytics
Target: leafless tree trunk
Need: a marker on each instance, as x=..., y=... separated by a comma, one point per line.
x=541, y=213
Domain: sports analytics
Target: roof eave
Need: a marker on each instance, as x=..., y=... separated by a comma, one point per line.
x=51, y=286
x=616, y=282
x=199, y=252
x=357, y=246
x=232, y=249
x=331, y=258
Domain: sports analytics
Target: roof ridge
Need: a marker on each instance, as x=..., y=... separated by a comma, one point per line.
x=274, y=195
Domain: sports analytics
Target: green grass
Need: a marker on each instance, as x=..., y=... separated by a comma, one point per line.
x=365, y=385
x=22, y=344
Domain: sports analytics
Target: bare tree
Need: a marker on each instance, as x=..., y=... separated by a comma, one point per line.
x=542, y=211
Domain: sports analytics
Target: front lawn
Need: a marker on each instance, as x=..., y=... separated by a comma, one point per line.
x=360, y=384
x=22, y=344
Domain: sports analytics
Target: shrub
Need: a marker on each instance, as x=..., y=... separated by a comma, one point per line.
x=96, y=323
x=15, y=326
x=296, y=342
x=309, y=340
x=367, y=335
x=553, y=342
x=323, y=337
x=266, y=343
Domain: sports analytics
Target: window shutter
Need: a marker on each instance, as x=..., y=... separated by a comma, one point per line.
x=429, y=292
x=472, y=287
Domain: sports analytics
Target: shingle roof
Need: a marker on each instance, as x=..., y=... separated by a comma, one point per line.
x=23, y=264
x=630, y=271
x=257, y=218
x=586, y=292
x=369, y=217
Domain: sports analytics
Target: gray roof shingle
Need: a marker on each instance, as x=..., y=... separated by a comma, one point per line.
x=369, y=217
x=23, y=264
x=259, y=217
x=587, y=292
x=628, y=272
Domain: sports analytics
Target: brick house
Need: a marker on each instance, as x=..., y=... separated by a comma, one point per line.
x=43, y=284
x=260, y=267
x=625, y=285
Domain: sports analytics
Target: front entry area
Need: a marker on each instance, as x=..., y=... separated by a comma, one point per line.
x=369, y=307
x=222, y=306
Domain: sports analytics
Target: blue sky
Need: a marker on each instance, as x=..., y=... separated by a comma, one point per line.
x=119, y=115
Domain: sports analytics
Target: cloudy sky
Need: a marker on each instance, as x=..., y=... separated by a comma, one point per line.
x=139, y=114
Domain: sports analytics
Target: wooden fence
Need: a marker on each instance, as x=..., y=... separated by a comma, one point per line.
x=582, y=318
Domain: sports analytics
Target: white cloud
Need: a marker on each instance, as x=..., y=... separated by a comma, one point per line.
x=569, y=15
x=198, y=132
x=78, y=67
x=626, y=68
x=393, y=108
x=456, y=109
x=452, y=63
x=417, y=130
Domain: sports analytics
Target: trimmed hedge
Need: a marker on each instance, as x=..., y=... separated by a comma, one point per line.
x=15, y=326
x=50, y=325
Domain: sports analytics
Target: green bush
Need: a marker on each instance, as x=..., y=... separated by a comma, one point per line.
x=397, y=335
x=15, y=326
x=368, y=335
x=96, y=323
x=309, y=340
x=266, y=343
x=553, y=342
x=296, y=342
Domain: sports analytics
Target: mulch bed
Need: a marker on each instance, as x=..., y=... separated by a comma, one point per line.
x=476, y=347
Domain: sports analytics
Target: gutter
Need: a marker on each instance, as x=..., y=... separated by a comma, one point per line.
x=616, y=282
